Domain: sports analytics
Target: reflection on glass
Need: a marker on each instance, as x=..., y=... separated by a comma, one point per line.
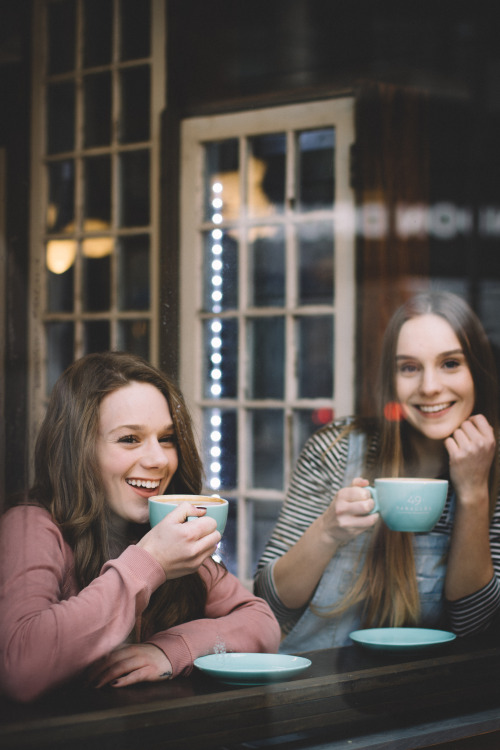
x=315, y=251
x=133, y=273
x=315, y=356
x=305, y=423
x=266, y=174
x=227, y=546
x=134, y=203
x=60, y=289
x=61, y=36
x=316, y=169
x=61, y=204
x=220, y=271
x=96, y=284
x=135, y=29
x=135, y=104
x=133, y=336
x=222, y=199
x=98, y=188
x=220, y=447
x=60, y=338
x=220, y=347
x=267, y=263
x=264, y=517
x=97, y=109
x=267, y=357
x=265, y=432
x=96, y=336
x=60, y=117
x=98, y=21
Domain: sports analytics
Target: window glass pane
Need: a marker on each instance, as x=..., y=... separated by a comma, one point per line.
x=220, y=271
x=61, y=206
x=267, y=263
x=96, y=336
x=60, y=338
x=134, y=188
x=96, y=284
x=60, y=256
x=266, y=174
x=222, y=201
x=316, y=169
x=135, y=104
x=227, y=545
x=265, y=437
x=97, y=193
x=220, y=346
x=133, y=336
x=315, y=356
x=264, y=517
x=220, y=448
x=60, y=117
x=315, y=251
x=97, y=109
x=98, y=29
x=133, y=273
x=305, y=423
x=60, y=288
x=267, y=361
x=135, y=25
x=61, y=33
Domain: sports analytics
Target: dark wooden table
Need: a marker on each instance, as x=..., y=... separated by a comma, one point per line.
x=446, y=697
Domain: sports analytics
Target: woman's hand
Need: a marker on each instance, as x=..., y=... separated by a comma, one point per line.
x=349, y=513
x=181, y=546
x=471, y=449
x=128, y=664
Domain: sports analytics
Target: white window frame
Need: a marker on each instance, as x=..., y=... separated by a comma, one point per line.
x=195, y=132
x=38, y=315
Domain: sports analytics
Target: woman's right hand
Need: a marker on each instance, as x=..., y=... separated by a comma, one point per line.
x=349, y=513
x=181, y=546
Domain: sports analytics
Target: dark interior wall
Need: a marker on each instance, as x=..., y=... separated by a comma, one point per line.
x=15, y=26
x=228, y=53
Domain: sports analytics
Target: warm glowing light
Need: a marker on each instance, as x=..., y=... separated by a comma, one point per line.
x=216, y=374
x=217, y=187
x=217, y=249
x=215, y=467
x=217, y=203
x=60, y=255
x=216, y=326
x=217, y=218
x=215, y=390
x=216, y=358
x=217, y=265
x=215, y=451
x=215, y=436
x=217, y=296
x=215, y=483
x=217, y=234
x=215, y=420
x=216, y=342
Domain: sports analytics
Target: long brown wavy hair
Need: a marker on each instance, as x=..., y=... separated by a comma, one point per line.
x=387, y=583
x=68, y=482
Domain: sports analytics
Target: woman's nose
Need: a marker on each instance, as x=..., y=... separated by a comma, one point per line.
x=430, y=382
x=154, y=454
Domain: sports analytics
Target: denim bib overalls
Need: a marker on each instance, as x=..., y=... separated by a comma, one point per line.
x=313, y=631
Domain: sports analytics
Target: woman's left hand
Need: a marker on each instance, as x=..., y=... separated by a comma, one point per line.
x=471, y=449
x=130, y=663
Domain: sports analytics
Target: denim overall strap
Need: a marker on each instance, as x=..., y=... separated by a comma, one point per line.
x=314, y=631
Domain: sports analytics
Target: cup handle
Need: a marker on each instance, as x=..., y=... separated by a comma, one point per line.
x=373, y=493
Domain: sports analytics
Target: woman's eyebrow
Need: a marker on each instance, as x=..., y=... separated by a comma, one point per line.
x=451, y=353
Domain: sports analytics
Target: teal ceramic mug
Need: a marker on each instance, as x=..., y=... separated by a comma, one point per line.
x=409, y=504
x=216, y=507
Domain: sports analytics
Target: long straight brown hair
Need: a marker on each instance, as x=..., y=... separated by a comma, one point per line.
x=387, y=583
x=68, y=482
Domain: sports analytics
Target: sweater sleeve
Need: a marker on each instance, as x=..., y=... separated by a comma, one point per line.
x=235, y=621
x=49, y=630
x=317, y=477
x=476, y=612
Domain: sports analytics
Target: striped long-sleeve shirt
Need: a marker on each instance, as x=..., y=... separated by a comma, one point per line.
x=318, y=476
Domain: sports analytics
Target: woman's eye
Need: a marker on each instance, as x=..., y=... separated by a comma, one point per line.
x=169, y=439
x=407, y=368
x=451, y=364
x=128, y=439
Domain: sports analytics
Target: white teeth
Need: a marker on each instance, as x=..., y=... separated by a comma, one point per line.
x=436, y=407
x=146, y=484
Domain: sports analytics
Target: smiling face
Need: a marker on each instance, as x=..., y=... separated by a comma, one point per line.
x=434, y=384
x=137, y=449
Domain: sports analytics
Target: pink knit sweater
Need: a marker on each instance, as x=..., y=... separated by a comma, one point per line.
x=51, y=631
